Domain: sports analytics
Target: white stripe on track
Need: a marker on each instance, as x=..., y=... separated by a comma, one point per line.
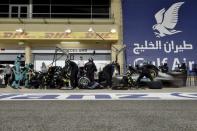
x=98, y=96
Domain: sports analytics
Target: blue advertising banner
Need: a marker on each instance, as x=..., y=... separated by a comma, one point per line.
x=160, y=31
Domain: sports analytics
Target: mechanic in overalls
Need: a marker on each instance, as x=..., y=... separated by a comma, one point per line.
x=8, y=72
x=144, y=72
x=90, y=69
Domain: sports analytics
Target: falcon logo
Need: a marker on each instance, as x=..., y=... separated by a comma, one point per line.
x=167, y=20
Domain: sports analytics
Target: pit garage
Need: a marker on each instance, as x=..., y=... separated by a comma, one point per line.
x=101, y=57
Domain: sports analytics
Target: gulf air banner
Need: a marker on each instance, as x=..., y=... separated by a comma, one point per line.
x=59, y=35
x=160, y=31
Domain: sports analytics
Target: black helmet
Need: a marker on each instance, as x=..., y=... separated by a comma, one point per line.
x=90, y=59
x=31, y=65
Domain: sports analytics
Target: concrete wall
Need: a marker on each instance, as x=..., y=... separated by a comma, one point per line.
x=116, y=8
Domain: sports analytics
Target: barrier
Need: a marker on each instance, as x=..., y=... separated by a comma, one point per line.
x=192, y=79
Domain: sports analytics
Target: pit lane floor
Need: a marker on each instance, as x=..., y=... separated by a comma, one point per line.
x=98, y=115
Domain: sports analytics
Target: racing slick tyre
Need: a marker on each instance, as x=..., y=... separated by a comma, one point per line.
x=153, y=72
x=83, y=82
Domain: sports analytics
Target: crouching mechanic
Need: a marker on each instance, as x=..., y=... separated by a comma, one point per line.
x=108, y=71
x=144, y=71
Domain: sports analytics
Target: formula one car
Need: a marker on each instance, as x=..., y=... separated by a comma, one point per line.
x=128, y=80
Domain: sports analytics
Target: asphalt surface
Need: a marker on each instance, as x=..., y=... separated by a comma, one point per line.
x=98, y=115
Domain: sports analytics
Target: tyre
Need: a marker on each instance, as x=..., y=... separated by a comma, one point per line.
x=153, y=72
x=83, y=82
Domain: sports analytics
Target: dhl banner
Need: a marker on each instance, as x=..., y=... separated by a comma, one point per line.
x=59, y=35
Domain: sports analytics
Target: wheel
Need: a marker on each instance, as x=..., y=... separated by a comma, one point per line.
x=153, y=73
x=83, y=82
x=131, y=82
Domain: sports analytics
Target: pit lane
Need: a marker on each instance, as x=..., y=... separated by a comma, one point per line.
x=98, y=115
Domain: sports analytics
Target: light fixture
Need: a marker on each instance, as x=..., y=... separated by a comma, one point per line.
x=68, y=31
x=20, y=30
x=90, y=29
x=21, y=43
x=70, y=42
x=93, y=31
x=113, y=31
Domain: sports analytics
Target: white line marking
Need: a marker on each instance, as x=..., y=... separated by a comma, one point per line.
x=98, y=96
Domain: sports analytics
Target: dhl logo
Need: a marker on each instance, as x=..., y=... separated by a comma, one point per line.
x=58, y=35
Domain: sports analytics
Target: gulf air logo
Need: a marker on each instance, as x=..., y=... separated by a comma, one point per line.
x=167, y=21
